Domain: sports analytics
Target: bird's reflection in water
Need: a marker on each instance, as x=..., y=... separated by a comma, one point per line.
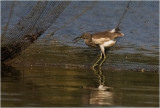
x=103, y=94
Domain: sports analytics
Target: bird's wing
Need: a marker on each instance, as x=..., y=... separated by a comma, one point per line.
x=105, y=34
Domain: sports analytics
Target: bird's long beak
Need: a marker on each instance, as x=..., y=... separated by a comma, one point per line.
x=77, y=39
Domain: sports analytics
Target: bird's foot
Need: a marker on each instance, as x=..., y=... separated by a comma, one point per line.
x=93, y=69
x=95, y=65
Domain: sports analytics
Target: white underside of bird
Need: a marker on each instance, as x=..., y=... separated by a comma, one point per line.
x=109, y=43
x=104, y=42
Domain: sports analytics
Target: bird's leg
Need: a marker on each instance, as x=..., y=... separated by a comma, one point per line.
x=104, y=58
x=95, y=64
x=104, y=55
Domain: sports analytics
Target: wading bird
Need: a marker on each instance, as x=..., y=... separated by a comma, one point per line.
x=104, y=40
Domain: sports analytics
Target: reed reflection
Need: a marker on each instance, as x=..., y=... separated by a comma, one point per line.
x=9, y=73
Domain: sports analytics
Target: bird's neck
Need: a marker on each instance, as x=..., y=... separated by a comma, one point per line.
x=89, y=39
x=89, y=42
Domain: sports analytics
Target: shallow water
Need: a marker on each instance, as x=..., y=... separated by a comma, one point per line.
x=63, y=78
x=56, y=72
x=54, y=86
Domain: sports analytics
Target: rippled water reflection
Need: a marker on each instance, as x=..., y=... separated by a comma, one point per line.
x=53, y=86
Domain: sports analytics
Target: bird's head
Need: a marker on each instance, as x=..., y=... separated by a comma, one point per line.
x=83, y=36
x=117, y=32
